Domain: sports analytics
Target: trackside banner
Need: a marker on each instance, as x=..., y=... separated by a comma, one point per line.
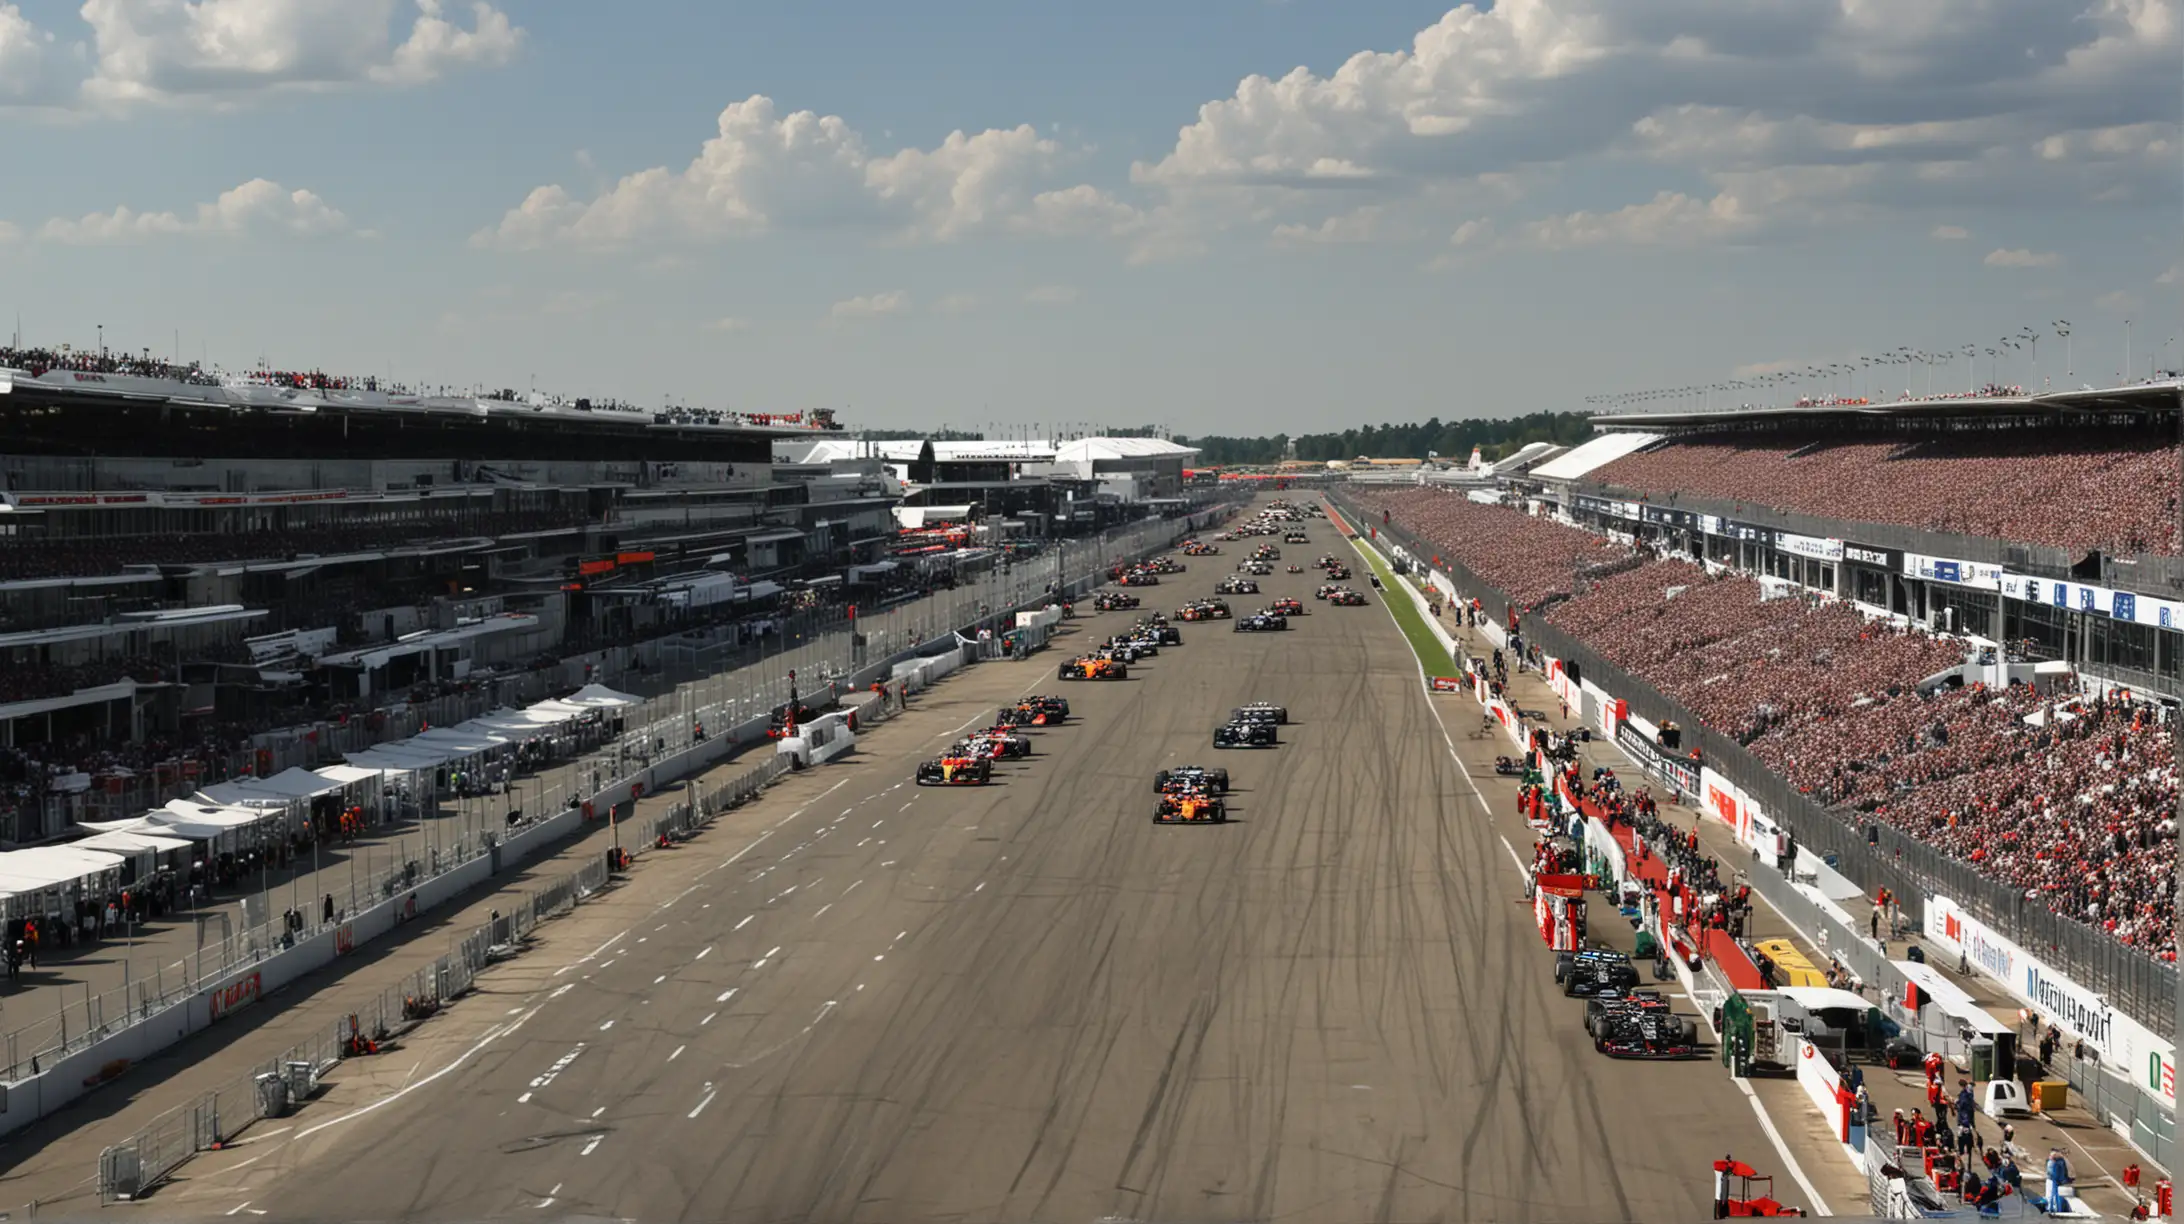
x=1677, y=770
x=2123, y=1043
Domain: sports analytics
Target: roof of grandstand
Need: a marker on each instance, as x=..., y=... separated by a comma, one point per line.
x=2142, y=398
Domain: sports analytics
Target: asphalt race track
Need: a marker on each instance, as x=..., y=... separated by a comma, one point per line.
x=1029, y=1003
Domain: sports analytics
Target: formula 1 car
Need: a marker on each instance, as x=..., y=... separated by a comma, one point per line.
x=1324, y=590
x=1595, y=972
x=1296, y=537
x=1261, y=623
x=1329, y=561
x=1189, y=776
x=1508, y=767
x=1138, y=578
x=1646, y=1033
x=1596, y=1010
x=1033, y=712
x=1295, y=568
x=1190, y=806
x=1241, y=734
x=1114, y=603
x=1266, y=552
x=1164, y=565
x=1203, y=610
x=1094, y=667
x=956, y=770
x=1159, y=632
x=1286, y=607
x=994, y=742
x=1236, y=586
x=1261, y=711
x=1340, y=573
x=1257, y=569
x=1347, y=598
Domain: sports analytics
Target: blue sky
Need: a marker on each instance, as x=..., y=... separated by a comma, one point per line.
x=1496, y=211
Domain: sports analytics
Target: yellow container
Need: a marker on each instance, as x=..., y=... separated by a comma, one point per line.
x=1791, y=966
x=2049, y=1096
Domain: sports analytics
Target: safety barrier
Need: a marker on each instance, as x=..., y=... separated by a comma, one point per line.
x=129, y=1169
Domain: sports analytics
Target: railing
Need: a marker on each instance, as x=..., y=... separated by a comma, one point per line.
x=660, y=728
x=1870, y=852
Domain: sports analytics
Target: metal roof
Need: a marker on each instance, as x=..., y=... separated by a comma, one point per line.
x=1121, y=448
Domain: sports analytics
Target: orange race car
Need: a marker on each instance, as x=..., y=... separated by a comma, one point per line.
x=956, y=769
x=1094, y=667
x=1187, y=804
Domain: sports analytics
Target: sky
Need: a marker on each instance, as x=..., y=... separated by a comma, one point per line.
x=1226, y=216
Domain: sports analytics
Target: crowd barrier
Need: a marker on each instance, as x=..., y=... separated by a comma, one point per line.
x=2088, y=978
x=129, y=1169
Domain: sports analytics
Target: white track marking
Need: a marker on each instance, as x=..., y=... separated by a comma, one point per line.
x=593, y=1146
x=709, y=1095
x=1766, y=1123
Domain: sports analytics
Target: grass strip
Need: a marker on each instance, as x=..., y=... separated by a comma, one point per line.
x=1437, y=661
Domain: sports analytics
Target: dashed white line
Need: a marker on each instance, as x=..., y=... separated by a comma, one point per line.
x=727, y=994
x=239, y=1207
x=604, y=1027
x=707, y=1020
x=981, y=887
x=677, y=1054
x=562, y=990
x=593, y=1146
x=707, y=952
x=746, y=922
x=656, y=981
x=824, y=908
x=596, y=1112
x=852, y=888
x=710, y=1094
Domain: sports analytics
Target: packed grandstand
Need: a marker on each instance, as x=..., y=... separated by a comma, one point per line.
x=2076, y=812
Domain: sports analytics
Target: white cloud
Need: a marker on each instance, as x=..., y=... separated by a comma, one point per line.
x=956, y=303
x=2020, y=257
x=168, y=51
x=10, y=232
x=257, y=207
x=23, y=51
x=1052, y=295
x=764, y=170
x=2173, y=274
x=1835, y=96
x=870, y=305
x=1669, y=218
x=728, y=323
x=1950, y=233
x=2118, y=300
x=1364, y=224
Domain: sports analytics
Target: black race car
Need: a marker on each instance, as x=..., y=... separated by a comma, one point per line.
x=1261, y=623
x=1055, y=708
x=1162, y=633
x=995, y=742
x=1347, y=598
x=1259, y=568
x=1340, y=573
x=1296, y=537
x=1244, y=735
x=1114, y=602
x=1595, y=973
x=1236, y=586
x=1645, y=1033
x=1261, y=711
x=1215, y=780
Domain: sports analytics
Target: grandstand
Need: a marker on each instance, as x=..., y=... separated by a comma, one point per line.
x=1958, y=621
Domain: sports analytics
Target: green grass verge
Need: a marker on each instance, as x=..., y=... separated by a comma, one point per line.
x=1437, y=661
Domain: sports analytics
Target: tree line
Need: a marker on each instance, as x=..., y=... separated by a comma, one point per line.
x=1450, y=440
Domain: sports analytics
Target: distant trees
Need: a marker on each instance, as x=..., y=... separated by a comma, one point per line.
x=1451, y=440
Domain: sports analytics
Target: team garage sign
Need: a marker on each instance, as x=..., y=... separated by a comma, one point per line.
x=2123, y=1043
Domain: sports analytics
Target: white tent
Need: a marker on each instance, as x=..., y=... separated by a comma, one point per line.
x=599, y=696
x=52, y=866
x=126, y=841
x=346, y=775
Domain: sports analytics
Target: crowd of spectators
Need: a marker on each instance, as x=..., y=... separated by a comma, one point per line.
x=1529, y=560
x=2066, y=796
x=36, y=361
x=27, y=679
x=92, y=556
x=2069, y=489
